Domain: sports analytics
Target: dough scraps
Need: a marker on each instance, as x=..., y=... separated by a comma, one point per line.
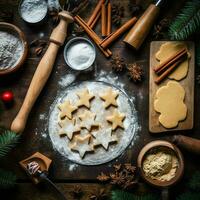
x=109, y=96
x=68, y=127
x=169, y=102
x=104, y=137
x=82, y=145
x=87, y=120
x=167, y=50
x=116, y=119
x=84, y=98
x=66, y=109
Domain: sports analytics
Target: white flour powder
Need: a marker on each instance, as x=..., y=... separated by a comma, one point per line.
x=11, y=50
x=33, y=11
x=80, y=55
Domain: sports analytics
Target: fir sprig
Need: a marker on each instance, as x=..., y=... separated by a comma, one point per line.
x=187, y=22
x=122, y=195
x=7, y=179
x=8, y=140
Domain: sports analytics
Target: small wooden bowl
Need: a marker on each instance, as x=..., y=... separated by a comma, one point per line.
x=10, y=28
x=171, y=147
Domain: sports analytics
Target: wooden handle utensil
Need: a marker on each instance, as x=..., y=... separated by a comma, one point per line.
x=42, y=72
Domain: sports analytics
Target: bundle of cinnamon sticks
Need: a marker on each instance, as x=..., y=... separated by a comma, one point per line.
x=104, y=10
x=166, y=68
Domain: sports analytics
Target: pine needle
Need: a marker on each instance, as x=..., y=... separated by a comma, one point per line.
x=189, y=196
x=122, y=195
x=8, y=140
x=7, y=179
x=187, y=22
x=194, y=182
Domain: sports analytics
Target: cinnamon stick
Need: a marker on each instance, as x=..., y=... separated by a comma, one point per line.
x=103, y=20
x=169, y=70
x=95, y=12
x=92, y=35
x=170, y=60
x=112, y=37
x=109, y=19
x=95, y=20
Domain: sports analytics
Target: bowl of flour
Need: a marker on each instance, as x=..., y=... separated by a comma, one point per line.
x=13, y=48
x=79, y=54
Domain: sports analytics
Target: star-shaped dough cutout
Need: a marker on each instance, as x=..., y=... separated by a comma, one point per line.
x=68, y=127
x=104, y=138
x=88, y=120
x=116, y=119
x=66, y=109
x=84, y=98
x=109, y=97
x=82, y=145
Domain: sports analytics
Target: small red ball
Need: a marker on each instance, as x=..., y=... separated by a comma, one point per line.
x=7, y=96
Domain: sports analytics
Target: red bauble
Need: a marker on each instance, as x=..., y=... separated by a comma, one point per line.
x=7, y=97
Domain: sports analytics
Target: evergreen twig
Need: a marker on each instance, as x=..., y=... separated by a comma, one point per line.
x=187, y=22
x=7, y=179
x=122, y=195
x=194, y=182
x=8, y=140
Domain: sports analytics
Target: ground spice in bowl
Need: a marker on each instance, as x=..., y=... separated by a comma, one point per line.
x=160, y=164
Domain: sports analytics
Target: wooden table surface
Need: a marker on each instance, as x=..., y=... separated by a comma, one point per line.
x=64, y=172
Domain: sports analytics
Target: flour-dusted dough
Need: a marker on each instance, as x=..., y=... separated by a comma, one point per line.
x=82, y=145
x=109, y=97
x=66, y=109
x=167, y=50
x=169, y=102
x=104, y=137
x=84, y=98
x=116, y=119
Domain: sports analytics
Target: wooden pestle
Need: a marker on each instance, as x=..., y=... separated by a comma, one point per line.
x=42, y=72
x=140, y=30
x=190, y=144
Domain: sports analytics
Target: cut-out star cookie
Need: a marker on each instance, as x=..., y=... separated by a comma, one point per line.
x=88, y=120
x=68, y=127
x=84, y=98
x=82, y=145
x=116, y=119
x=109, y=97
x=66, y=109
x=104, y=138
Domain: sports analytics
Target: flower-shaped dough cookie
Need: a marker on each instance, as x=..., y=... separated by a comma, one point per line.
x=169, y=103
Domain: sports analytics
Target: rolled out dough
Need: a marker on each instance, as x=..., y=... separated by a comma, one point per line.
x=167, y=50
x=169, y=102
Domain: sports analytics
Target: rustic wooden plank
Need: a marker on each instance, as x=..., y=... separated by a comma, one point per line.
x=187, y=83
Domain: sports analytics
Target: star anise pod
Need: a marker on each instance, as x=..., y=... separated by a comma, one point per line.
x=99, y=195
x=130, y=168
x=77, y=192
x=103, y=177
x=135, y=72
x=117, y=179
x=118, y=64
x=117, y=14
x=160, y=28
x=117, y=167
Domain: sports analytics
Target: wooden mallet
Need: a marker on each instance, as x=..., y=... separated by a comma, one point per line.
x=43, y=71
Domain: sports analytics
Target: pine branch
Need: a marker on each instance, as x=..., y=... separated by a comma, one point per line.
x=8, y=140
x=194, y=182
x=187, y=22
x=122, y=195
x=189, y=196
x=7, y=179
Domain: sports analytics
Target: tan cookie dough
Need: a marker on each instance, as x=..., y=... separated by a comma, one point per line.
x=169, y=102
x=109, y=97
x=167, y=50
x=66, y=109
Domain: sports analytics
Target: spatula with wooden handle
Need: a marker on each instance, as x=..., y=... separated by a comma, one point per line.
x=43, y=71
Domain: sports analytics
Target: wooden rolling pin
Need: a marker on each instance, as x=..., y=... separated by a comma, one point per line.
x=190, y=144
x=42, y=72
x=140, y=30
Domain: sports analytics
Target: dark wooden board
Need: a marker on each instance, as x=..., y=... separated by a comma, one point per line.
x=187, y=83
